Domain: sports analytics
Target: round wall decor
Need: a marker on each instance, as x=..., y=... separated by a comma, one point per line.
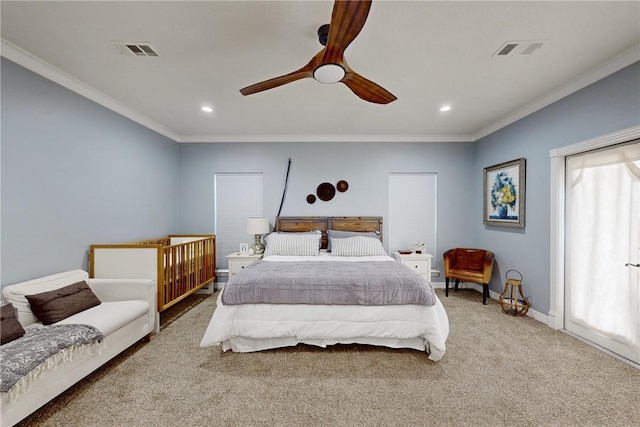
x=326, y=191
x=311, y=199
x=342, y=186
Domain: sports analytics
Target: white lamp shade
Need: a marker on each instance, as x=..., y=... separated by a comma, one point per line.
x=257, y=225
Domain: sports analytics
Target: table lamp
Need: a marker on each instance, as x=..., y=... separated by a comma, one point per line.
x=257, y=226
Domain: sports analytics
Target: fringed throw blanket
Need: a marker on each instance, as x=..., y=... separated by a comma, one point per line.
x=40, y=349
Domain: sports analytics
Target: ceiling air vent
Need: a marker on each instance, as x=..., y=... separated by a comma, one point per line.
x=136, y=48
x=520, y=47
x=507, y=49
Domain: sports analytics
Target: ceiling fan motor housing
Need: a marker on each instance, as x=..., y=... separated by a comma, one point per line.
x=323, y=34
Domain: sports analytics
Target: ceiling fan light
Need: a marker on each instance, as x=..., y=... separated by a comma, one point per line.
x=329, y=73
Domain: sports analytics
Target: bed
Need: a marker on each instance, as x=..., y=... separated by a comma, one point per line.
x=180, y=264
x=371, y=315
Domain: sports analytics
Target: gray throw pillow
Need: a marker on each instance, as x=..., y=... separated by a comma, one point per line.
x=10, y=327
x=54, y=306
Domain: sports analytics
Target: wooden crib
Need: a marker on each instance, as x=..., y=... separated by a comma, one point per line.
x=180, y=264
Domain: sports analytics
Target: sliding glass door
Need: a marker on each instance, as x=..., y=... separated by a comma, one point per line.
x=602, y=283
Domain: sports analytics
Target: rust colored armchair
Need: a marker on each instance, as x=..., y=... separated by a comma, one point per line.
x=468, y=265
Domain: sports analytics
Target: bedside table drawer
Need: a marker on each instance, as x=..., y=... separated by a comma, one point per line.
x=420, y=267
x=420, y=263
x=236, y=266
x=237, y=262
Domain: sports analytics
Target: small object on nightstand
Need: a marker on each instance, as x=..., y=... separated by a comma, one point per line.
x=405, y=252
x=244, y=248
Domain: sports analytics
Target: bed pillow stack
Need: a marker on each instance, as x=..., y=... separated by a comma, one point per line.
x=293, y=244
x=339, y=234
x=357, y=246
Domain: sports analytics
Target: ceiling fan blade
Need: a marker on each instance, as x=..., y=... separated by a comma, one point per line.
x=347, y=20
x=275, y=82
x=366, y=89
x=304, y=72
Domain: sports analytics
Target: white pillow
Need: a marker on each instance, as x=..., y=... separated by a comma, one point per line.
x=356, y=246
x=293, y=244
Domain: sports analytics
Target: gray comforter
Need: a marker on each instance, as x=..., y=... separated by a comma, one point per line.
x=21, y=356
x=328, y=282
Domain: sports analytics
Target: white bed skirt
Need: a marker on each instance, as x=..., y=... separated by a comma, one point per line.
x=255, y=327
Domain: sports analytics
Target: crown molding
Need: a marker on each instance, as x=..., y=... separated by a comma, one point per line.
x=323, y=138
x=48, y=71
x=617, y=63
x=38, y=66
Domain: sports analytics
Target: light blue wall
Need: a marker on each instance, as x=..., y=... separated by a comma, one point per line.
x=75, y=173
x=365, y=166
x=608, y=105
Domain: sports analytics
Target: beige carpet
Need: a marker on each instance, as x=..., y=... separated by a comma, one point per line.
x=498, y=370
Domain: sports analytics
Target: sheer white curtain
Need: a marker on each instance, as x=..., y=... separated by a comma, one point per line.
x=603, y=233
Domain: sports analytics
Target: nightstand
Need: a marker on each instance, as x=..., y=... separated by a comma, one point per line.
x=238, y=261
x=420, y=263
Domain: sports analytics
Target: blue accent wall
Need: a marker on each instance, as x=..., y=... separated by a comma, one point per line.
x=365, y=166
x=608, y=105
x=74, y=173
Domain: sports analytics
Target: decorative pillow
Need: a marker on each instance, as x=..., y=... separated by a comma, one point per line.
x=357, y=246
x=54, y=306
x=10, y=328
x=293, y=244
x=338, y=234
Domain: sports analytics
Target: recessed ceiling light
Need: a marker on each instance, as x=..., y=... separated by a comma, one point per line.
x=207, y=109
x=445, y=108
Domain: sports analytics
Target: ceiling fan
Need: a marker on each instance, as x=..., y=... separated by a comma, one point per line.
x=329, y=65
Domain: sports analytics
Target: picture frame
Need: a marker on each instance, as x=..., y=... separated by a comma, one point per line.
x=244, y=248
x=504, y=190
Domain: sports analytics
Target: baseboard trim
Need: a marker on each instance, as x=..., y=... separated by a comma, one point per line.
x=536, y=315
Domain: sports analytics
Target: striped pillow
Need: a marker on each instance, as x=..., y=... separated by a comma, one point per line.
x=357, y=246
x=293, y=244
x=339, y=234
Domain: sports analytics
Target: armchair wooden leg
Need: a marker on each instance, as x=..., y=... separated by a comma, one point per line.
x=446, y=286
x=456, y=284
x=485, y=293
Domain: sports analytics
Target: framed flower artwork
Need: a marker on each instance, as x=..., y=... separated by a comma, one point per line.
x=504, y=194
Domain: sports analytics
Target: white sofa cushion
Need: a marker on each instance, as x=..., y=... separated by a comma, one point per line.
x=110, y=316
x=15, y=294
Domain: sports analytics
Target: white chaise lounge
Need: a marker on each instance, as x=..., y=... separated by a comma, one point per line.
x=127, y=313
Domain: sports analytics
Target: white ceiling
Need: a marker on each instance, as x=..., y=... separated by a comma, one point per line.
x=427, y=53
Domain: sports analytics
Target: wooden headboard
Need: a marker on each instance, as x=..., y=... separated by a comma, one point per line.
x=324, y=223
